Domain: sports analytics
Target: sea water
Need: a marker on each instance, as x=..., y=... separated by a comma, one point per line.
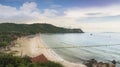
x=100, y=46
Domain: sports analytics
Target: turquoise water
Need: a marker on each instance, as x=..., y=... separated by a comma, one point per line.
x=91, y=40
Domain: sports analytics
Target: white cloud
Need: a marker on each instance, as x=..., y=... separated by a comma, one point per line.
x=50, y=13
x=28, y=7
x=7, y=11
x=12, y=14
x=27, y=13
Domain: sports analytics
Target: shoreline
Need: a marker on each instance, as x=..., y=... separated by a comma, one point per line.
x=33, y=46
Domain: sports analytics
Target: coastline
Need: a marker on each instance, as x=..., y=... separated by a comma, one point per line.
x=33, y=46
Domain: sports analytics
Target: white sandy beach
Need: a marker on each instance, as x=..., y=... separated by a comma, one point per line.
x=34, y=46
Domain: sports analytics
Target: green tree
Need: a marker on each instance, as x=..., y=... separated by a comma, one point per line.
x=22, y=65
x=9, y=65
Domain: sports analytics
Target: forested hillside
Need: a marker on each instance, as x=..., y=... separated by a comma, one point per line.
x=35, y=28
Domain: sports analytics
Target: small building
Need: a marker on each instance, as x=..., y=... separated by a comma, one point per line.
x=39, y=59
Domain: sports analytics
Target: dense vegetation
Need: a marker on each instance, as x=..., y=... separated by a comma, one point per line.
x=6, y=38
x=35, y=28
x=8, y=60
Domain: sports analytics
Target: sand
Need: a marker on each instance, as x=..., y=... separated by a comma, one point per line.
x=33, y=46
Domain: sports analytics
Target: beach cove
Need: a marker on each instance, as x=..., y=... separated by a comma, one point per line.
x=33, y=46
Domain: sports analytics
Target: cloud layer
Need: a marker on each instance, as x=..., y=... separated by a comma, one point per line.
x=112, y=10
x=89, y=19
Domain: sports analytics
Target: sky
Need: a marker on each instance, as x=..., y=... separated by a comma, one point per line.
x=89, y=15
